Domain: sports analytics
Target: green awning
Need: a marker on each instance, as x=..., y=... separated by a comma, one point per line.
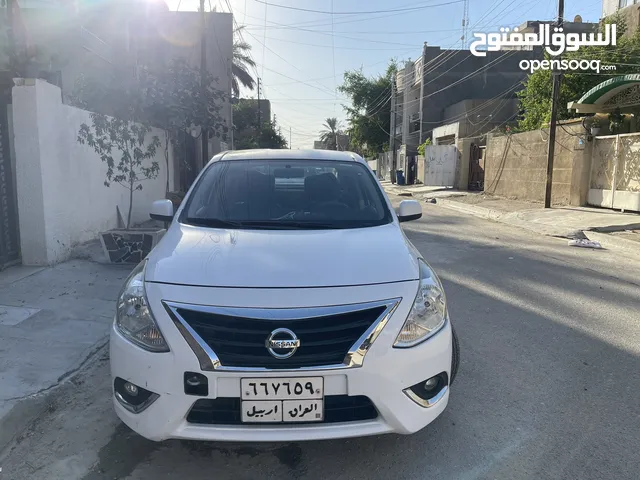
x=594, y=100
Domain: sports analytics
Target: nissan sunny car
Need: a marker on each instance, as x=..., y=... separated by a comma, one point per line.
x=283, y=303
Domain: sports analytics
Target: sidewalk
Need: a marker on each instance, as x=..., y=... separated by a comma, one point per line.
x=422, y=191
x=611, y=228
x=51, y=321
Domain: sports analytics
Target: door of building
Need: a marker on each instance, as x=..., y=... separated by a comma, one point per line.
x=615, y=172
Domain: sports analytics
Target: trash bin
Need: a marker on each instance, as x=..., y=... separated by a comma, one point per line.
x=399, y=177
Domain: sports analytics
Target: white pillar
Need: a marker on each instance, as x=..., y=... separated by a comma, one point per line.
x=43, y=237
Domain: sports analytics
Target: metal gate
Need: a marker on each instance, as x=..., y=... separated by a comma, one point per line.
x=476, y=168
x=440, y=165
x=615, y=172
x=9, y=239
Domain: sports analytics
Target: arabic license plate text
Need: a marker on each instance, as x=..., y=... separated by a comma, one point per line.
x=277, y=411
x=302, y=411
x=262, y=411
x=293, y=388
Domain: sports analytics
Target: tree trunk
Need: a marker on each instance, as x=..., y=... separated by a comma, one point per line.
x=130, y=205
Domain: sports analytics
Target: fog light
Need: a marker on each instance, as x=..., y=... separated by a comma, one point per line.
x=131, y=389
x=132, y=397
x=429, y=392
x=431, y=384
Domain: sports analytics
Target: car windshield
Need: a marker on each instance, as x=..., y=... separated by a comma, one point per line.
x=298, y=194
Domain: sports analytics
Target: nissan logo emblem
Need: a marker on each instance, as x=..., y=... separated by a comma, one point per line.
x=282, y=339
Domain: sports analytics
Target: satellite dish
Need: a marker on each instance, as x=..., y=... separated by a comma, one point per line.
x=577, y=19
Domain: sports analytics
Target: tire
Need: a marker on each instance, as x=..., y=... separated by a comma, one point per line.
x=455, y=356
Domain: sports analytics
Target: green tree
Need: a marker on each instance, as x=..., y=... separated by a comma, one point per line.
x=329, y=133
x=535, y=99
x=169, y=98
x=241, y=63
x=369, y=115
x=422, y=146
x=125, y=140
x=247, y=135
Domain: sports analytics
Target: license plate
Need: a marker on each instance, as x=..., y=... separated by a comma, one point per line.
x=300, y=388
x=274, y=400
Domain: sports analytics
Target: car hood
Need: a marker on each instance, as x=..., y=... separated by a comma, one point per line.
x=189, y=255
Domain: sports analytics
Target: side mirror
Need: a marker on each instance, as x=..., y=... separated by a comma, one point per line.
x=162, y=210
x=409, y=210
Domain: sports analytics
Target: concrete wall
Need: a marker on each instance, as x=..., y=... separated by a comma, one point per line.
x=62, y=200
x=516, y=165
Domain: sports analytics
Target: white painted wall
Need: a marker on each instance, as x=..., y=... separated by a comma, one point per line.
x=62, y=200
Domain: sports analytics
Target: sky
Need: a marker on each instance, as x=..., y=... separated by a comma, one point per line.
x=301, y=56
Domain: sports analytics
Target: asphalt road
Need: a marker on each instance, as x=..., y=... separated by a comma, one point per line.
x=549, y=385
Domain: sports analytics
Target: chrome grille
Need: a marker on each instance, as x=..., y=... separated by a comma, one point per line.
x=235, y=338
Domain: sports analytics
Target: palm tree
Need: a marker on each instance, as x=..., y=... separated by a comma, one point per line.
x=242, y=61
x=329, y=135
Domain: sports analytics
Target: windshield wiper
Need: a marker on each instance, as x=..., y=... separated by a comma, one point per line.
x=213, y=223
x=259, y=224
x=288, y=225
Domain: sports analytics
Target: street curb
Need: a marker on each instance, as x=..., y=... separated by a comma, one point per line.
x=612, y=242
x=608, y=241
x=26, y=410
x=482, y=212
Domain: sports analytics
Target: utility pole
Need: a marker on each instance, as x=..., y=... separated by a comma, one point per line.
x=259, y=109
x=289, y=138
x=10, y=33
x=422, y=70
x=259, y=126
x=392, y=128
x=203, y=84
x=557, y=79
x=231, y=100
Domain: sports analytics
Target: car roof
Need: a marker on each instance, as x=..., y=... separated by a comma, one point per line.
x=285, y=154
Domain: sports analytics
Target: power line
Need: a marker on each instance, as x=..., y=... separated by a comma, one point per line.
x=359, y=18
x=279, y=26
x=295, y=42
x=333, y=58
x=295, y=80
x=370, y=12
x=330, y=76
x=282, y=58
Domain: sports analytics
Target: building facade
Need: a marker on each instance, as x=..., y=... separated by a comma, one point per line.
x=70, y=40
x=629, y=8
x=446, y=87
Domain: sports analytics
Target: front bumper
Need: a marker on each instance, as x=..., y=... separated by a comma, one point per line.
x=385, y=373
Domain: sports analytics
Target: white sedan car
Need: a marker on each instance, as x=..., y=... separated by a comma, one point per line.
x=272, y=313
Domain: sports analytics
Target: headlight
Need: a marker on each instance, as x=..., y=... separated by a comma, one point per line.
x=133, y=317
x=428, y=313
